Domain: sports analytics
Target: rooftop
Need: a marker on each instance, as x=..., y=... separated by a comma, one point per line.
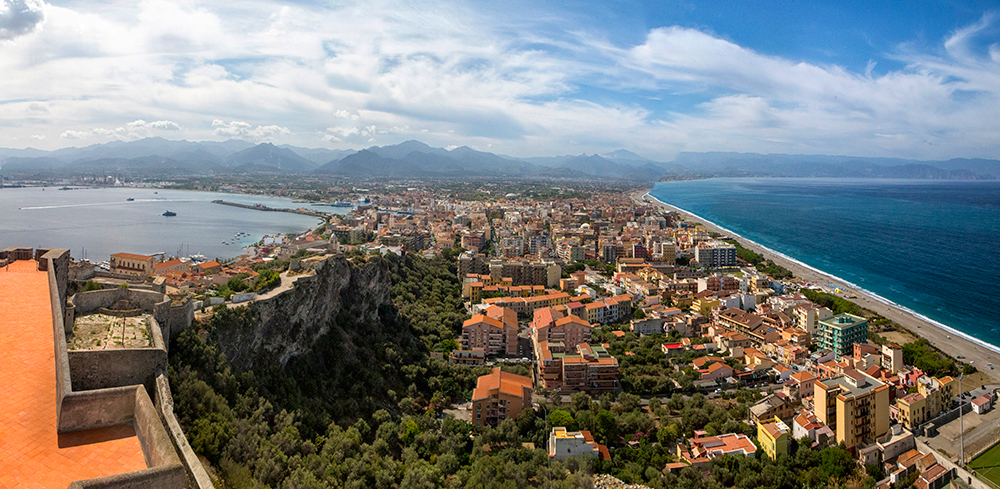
x=32, y=453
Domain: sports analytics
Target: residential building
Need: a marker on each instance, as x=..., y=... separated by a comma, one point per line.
x=800, y=385
x=715, y=254
x=702, y=449
x=854, y=405
x=772, y=437
x=808, y=315
x=892, y=358
x=494, y=336
x=551, y=325
x=806, y=424
x=839, y=333
x=475, y=356
x=564, y=444
x=770, y=407
x=499, y=396
x=587, y=368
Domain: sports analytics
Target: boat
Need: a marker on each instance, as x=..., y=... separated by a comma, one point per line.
x=169, y=214
x=130, y=199
x=341, y=204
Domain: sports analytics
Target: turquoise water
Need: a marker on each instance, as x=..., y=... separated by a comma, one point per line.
x=930, y=246
x=94, y=223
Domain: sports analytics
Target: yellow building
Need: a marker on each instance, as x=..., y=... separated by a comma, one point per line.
x=773, y=437
x=854, y=405
x=932, y=397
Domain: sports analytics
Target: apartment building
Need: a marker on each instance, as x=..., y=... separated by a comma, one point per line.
x=854, y=405
x=715, y=254
x=495, y=332
x=932, y=397
x=585, y=367
x=839, y=333
x=808, y=315
x=499, y=396
x=553, y=325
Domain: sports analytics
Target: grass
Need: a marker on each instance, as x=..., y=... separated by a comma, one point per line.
x=987, y=465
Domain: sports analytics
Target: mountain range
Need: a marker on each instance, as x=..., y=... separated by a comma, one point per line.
x=153, y=157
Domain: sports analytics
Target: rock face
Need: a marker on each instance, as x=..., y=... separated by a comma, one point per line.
x=340, y=295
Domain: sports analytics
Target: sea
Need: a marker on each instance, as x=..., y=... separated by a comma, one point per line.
x=931, y=247
x=93, y=223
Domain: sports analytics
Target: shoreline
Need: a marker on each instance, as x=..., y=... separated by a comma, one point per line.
x=947, y=339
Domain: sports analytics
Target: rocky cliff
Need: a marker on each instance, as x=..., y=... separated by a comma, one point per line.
x=340, y=298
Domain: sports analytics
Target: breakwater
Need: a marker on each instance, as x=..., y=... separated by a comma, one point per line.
x=262, y=207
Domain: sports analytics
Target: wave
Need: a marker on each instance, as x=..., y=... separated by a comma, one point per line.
x=848, y=283
x=94, y=204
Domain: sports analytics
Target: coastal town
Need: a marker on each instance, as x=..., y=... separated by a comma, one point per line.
x=589, y=305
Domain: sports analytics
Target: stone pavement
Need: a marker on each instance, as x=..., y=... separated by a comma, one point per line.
x=32, y=454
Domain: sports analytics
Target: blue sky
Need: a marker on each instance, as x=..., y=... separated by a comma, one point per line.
x=901, y=79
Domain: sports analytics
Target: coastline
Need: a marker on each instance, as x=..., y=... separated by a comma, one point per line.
x=949, y=340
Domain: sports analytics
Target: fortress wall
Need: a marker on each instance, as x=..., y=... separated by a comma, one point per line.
x=100, y=369
x=196, y=474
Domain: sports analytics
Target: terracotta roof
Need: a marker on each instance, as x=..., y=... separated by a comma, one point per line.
x=168, y=264
x=571, y=319
x=507, y=316
x=803, y=376
x=479, y=318
x=502, y=382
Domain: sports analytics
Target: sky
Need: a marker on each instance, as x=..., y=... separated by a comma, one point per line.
x=901, y=79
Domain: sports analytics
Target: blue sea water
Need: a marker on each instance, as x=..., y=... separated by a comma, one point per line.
x=930, y=246
x=93, y=223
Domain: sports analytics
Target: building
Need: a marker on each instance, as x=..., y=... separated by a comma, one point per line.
x=495, y=332
x=808, y=315
x=132, y=264
x=770, y=407
x=550, y=325
x=715, y=254
x=702, y=449
x=839, y=333
x=475, y=356
x=772, y=437
x=854, y=405
x=806, y=424
x=800, y=385
x=587, y=368
x=932, y=397
x=564, y=444
x=892, y=358
x=499, y=396
x=982, y=404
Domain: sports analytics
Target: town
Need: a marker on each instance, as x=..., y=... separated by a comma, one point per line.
x=588, y=304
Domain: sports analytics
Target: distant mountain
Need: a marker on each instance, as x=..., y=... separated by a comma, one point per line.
x=625, y=155
x=319, y=155
x=415, y=159
x=266, y=156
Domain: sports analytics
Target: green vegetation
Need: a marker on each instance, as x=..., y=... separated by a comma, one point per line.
x=922, y=355
x=362, y=409
x=834, y=303
x=759, y=262
x=91, y=286
x=987, y=465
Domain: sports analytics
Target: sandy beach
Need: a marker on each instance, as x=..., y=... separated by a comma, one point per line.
x=952, y=344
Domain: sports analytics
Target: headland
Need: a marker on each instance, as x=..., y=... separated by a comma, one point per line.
x=949, y=340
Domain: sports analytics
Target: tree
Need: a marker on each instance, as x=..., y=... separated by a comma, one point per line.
x=668, y=434
x=561, y=417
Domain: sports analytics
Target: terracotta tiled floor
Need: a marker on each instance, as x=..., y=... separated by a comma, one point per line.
x=32, y=454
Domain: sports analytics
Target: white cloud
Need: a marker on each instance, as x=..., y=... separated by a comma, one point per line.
x=40, y=137
x=20, y=17
x=449, y=73
x=244, y=130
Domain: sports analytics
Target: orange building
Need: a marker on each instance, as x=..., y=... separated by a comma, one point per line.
x=495, y=331
x=499, y=396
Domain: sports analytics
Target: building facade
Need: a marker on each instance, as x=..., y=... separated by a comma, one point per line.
x=499, y=396
x=839, y=333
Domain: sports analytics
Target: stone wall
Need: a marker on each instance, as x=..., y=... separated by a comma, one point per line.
x=197, y=476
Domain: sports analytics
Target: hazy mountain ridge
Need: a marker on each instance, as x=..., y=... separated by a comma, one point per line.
x=415, y=159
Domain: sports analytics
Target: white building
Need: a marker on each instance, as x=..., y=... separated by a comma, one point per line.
x=564, y=444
